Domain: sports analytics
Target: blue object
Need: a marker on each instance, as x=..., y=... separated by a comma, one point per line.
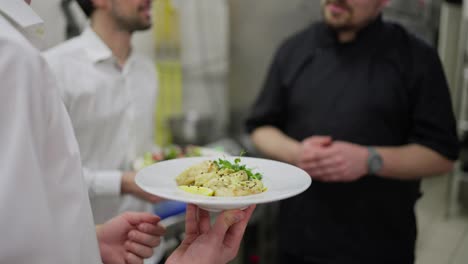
x=167, y=209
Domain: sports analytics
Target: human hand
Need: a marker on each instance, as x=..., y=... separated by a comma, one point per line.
x=311, y=150
x=128, y=186
x=206, y=244
x=340, y=162
x=129, y=238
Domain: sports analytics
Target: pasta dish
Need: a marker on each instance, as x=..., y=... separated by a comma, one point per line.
x=220, y=178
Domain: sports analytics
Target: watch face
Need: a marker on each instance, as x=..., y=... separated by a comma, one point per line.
x=375, y=164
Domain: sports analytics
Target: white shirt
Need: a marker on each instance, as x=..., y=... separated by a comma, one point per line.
x=45, y=214
x=112, y=112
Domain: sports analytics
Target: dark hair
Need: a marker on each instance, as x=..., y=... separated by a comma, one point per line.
x=87, y=6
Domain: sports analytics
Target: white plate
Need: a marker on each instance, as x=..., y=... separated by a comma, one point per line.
x=282, y=180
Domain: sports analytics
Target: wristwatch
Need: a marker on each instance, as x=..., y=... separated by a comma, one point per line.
x=374, y=161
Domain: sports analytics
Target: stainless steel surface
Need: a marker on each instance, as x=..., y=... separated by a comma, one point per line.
x=419, y=16
x=458, y=178
x=72, y=28
x=411, y=8
x=449, y=34
x=204, y=42
x=191, y=128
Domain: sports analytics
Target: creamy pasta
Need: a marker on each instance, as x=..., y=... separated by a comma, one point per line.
x=234, y=180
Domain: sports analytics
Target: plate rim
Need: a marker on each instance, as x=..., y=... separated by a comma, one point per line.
x=219, y=201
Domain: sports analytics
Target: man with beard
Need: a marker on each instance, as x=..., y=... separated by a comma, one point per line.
x=110, y=94
x=363, y=106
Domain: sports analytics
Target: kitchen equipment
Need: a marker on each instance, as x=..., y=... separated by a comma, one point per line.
x=72, y=29
x=167, y=45
x=192, y=128
x=421, y=17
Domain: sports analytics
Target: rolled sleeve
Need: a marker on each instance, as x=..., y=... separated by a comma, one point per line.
x=434, y=124
x=268, y=108
x=103, y=182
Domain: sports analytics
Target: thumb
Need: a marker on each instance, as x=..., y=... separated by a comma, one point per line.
x=225, y=221
x=318, y=141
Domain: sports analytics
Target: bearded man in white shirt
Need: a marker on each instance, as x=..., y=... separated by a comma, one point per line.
x=110, y=94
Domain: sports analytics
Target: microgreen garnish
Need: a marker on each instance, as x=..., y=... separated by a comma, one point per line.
x=236, y=166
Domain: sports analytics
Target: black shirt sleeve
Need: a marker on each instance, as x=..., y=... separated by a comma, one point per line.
x=433, y=121
x=269, y=107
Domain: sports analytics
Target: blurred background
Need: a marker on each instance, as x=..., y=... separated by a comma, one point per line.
x=211, y=58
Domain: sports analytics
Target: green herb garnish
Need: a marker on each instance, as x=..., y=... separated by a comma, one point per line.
x=171, y=152
x=193, y=151
x=236, y=166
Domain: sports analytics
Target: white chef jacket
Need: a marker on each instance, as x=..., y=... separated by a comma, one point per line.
x=45, y=214
x=112, y=113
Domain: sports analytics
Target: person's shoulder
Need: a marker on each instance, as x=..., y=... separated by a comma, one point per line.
x=295, y=46
x=17, y=51
x=21, y=62
x=415, y=53
x=67, y=47
x=407, y=41
x=63, y=51
x=65, y=57
x=304, y=33
x=305, y=36
x=13, y=41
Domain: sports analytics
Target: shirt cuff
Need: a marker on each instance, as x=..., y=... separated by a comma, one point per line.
x=108, y=182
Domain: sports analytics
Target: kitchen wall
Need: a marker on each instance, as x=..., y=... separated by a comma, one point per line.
x=257, y=29
x=419, y=16
x=205, y=59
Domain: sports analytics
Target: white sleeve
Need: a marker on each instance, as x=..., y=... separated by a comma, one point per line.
x=21, y=183
x=99, y=182
x=56, y=68
x=41, y=189
x=102, y=182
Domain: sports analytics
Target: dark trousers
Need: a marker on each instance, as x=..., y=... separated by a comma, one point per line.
x=285, y=258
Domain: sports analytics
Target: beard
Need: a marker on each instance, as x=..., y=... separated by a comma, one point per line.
x=130, y=23
x=338, y=22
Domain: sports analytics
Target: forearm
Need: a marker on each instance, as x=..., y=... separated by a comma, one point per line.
x=128, y=185
x=275, y=144
x=412, y=162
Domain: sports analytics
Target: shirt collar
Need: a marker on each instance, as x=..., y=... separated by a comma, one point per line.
x=20, y=13
x=365, y=36
x=96, y=49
